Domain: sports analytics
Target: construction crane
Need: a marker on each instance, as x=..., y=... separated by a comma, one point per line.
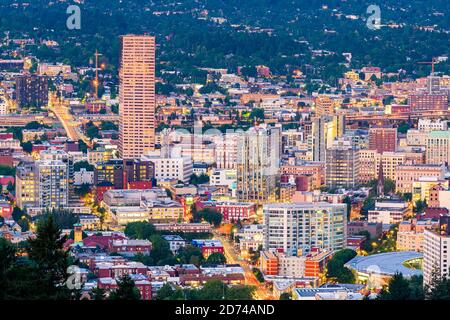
x=433, y=62
x=96, y=81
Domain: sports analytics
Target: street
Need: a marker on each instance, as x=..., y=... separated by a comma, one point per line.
x=261, y=292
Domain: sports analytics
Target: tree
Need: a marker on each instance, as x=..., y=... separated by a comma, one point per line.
x=249, y=71
x=285, y=296
x=115, y=108
x=10, y=187
x=190, y=255
x=216, y=258
x=98, y=294
x=389, y=186
x=240, y=293
x=407, y=196
x=50, y=258
x=160, y=250
x=82, y=190
x=7, y=261
x=108, y=125
x=165, y=293
x=17, y=214
x=143, y=258
x=82, y=146
x=126, y=290
x=213, y=290
x=398, y=289
x=63, y=218
x=257, y=114
x=27, y=146
x=416, y=288
x=196, y=180
x=7, y=170
x=139, y=230
x=92, y=131
x=209, y=215
x=336, y=269
x=403, y=127
x=420, y=206
x=24, y=224
x=77, y=166
x=368, y=204
x=438, y=288
x=33, y=125
x=258, y=274
x=348, y=201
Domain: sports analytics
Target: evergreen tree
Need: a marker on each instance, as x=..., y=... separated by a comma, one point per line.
x=165, y=293
x=7, y=260
x=98, y=294
x=213, y=290
x=50, y=259
x=439, y=287
x=216, y=258
x=285, y=296
x=126, y=290
x=397, y=289
x=240, y=293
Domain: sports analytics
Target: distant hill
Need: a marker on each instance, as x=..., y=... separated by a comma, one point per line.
x=282, y=34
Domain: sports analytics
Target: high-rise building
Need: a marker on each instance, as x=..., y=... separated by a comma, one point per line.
x=436, y=256
x=26, y=188
x=324, y=106
x=427, y=102
x=257, y=164
x=123, y=174
x=171, y=165
x=438, y=147
x=139, y=170
x=383, y=139
x=226, y=150
x=297, y=228
x=43, y=184
x=137, y=96
x=342, y=165
x=53, y=181
x=110, y=171
x=31, y=91
x=324, y=130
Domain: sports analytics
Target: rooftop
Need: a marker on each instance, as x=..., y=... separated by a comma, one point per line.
x=439, y=134
x=387, y=263
x=302, y=205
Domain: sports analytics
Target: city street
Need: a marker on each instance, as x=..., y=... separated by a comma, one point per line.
x=261, y=292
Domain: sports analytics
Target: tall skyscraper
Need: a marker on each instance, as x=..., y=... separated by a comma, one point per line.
x=31, y=91
x=342, y=165
x=257, y=164
x=324, y=130
x=137, y=96
x=296, y=228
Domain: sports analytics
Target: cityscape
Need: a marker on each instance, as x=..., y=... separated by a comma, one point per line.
x=208, y=150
